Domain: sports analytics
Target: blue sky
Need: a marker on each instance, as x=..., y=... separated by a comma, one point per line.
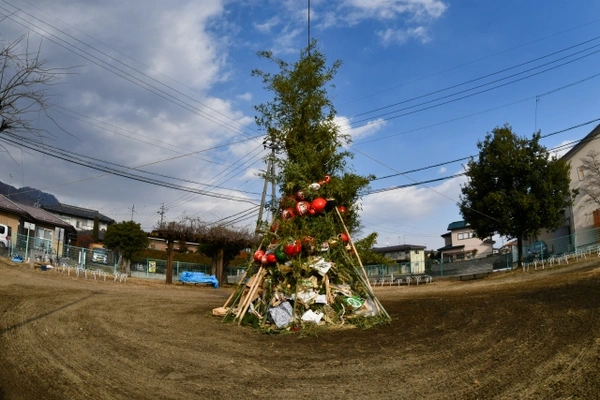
x=164, y=90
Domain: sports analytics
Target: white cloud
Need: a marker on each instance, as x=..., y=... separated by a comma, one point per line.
x=391, y=9
x=401, y=36
x=184, y=48
x=245, y=96
x=442, y=170
x=268, y=25
x=359, y=132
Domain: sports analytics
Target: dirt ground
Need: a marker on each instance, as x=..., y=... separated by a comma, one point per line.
x=514, y=335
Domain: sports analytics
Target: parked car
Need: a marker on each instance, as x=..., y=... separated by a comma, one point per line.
x=537, y=250
x=5, y=234
x=100, y=256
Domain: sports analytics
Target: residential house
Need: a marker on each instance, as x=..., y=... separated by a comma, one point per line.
x=410, y=254
x=34, y=228
x=81, y=218
x=461, y=243
x=578, y=230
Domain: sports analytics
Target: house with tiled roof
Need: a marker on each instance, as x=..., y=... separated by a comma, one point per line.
x=462, y=244
x=81, y=218
x=33, y=227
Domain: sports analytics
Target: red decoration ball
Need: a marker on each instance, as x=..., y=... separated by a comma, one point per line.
x=293, y=248
x=287, y=214
x=302, y=207
x=258, y=255
x=318, y=204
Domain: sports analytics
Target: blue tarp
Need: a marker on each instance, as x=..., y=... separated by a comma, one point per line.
x=198, y=277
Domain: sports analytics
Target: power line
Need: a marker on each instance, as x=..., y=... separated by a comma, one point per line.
x=466, y=95
x=70, y=157
x=121, y=73
x=418, y=183
x=492, y=74
x=473, y=61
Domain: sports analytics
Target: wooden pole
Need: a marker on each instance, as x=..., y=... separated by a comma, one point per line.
x=354, y=249
x=232, y=294
x=367, y=283
x=253, y=288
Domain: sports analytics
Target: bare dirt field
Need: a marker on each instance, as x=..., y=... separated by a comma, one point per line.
x=515, y=335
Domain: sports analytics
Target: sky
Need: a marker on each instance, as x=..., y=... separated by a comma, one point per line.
x=162, y=91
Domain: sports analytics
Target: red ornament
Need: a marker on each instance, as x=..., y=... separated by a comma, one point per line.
x=258, y=255
x=287, y=214
x=302, y=207
x=318, y=204
x=300, y=196
x=292, y=248
x=263, y=260
x=343, y=237
x=271, y=258
x=343, y=210
x=325, y=180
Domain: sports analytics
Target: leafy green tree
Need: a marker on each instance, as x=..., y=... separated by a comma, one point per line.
x=300, y=127
x=515, y=188
x=126, y=238
x=365, y=246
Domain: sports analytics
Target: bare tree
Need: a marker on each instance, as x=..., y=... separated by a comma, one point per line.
x=590, y=164
x=220, y=242
x=24, y=89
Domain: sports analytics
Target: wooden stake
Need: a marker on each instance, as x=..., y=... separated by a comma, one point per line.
x=235, y=291
x=367, y=283
x=254, y=287
x=327, y=290
x=354, y=249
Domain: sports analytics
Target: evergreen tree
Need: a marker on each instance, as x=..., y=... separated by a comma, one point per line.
x=307, y=262
x=126, y=238
x=515, y=188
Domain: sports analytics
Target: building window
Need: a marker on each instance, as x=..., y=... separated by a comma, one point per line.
x=580, y=173
x=465, y=235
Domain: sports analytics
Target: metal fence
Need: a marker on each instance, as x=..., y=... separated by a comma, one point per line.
x=39, y=249
x=152, y=268
x=580, y=243
x=45, y=250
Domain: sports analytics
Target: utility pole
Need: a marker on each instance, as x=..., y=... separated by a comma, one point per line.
x=269, y=176
x=162, y=214
x=264, y=193
x=132, y=211
x=309, y=23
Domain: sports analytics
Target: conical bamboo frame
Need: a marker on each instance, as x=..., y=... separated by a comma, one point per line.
x=364, y=277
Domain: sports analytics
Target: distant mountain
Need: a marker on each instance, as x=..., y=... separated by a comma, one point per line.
x=27, y=195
